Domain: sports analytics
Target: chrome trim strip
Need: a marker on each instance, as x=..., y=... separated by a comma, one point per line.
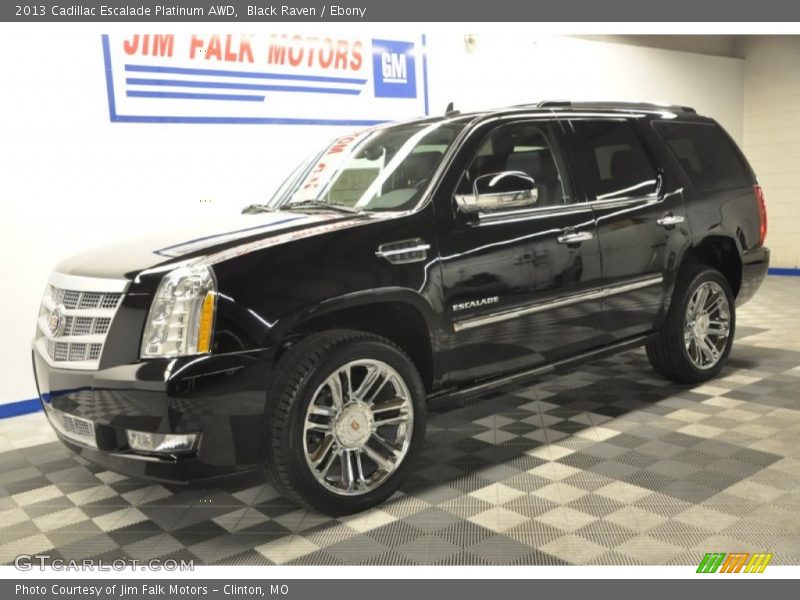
x=486, y=219
x=418, y=248
x=597, y=294
x=87, y=284
x=627, y=201
x=143, y=457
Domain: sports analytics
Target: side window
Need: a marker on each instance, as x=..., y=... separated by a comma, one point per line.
x=706, y=154
x=525, y=148
x=616, y=161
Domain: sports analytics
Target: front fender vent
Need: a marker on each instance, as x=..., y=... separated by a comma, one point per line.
x=404, y=252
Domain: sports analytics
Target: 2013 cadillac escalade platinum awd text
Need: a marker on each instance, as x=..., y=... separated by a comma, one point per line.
x=403, y=263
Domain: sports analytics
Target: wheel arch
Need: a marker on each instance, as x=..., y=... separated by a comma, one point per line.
x=720, y=252
x=401, y=316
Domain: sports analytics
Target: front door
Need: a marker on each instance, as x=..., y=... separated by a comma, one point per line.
x=640, y=219
x=520, y=284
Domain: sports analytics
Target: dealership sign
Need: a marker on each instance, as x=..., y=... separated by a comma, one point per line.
x=279, y=78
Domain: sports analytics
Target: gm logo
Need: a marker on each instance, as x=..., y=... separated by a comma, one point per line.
x=394, y=69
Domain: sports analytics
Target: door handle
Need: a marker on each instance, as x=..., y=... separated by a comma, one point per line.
x=575, y=237
x=670, y=220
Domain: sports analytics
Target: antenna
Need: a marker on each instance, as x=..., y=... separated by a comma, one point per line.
x=449, y=111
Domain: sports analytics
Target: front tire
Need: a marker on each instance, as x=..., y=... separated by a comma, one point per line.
x=345, y=421
x=696, y=336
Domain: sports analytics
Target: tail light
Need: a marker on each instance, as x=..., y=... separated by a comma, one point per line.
x=762, y=214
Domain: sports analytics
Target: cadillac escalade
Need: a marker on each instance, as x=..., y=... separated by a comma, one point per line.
x=400, y=265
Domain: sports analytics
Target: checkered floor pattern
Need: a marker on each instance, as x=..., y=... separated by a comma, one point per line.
x=603, y=464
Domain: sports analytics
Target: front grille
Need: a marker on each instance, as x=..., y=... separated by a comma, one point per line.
x=77, y=426
x=74, y=320
x=74, y=428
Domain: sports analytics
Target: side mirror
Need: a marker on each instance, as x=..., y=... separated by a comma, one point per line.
x=498, y=192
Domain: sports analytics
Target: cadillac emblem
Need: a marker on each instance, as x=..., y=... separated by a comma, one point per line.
x=56, y=321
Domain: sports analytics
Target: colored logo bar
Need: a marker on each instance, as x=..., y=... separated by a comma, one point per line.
x=736, y=562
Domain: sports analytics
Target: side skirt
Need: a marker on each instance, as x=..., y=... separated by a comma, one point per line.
x=445, y=397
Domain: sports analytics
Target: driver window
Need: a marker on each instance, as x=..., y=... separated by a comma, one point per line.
x=524, y=148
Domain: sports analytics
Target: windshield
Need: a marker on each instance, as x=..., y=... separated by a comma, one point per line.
x=384, y=169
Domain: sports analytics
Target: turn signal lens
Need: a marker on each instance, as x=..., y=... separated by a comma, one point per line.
x=762, y=214
x=206, y=323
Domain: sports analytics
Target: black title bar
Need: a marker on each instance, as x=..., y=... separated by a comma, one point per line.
x=401, y=11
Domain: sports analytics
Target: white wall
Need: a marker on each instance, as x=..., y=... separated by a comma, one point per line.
x=771, y=133
x=70, y=179
x=512, y=69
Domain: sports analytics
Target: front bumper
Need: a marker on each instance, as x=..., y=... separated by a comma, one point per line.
x=222, y=398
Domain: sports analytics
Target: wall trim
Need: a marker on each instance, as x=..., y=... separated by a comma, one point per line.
x=784, y=271
x=20, y=407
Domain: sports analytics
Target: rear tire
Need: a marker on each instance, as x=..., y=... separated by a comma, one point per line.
x=345, y=421
x=696, y=336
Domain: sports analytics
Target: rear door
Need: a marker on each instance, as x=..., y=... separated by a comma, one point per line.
x=640, y=215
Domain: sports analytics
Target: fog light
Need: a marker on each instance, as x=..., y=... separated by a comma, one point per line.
x=161, y=443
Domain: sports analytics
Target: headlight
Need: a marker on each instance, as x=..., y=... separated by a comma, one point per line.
x=181, y=318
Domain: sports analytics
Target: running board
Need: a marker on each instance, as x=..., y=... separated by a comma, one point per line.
x=476, y=389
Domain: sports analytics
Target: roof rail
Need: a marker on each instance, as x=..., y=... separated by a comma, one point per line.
x=620, y=105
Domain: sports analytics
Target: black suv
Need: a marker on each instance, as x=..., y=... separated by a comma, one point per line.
x=402, y=264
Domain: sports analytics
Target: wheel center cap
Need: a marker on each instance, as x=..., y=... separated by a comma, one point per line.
x=353, y=425
x=701, y=324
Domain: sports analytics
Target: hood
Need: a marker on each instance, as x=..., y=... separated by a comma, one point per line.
x=207, y=238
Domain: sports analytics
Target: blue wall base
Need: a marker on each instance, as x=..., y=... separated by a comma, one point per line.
x=784, y=271
x=22, y=407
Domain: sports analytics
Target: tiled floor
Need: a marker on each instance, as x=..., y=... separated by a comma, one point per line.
x=604, y=464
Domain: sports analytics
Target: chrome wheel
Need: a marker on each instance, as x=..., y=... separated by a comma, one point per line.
x=358, y=427
x=707, y=325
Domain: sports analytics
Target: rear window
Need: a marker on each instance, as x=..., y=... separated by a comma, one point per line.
x=706, y=154
x=616, y=159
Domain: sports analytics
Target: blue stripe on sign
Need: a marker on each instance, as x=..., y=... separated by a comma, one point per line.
x=784, y=271
x=112, y=109
x=22, y=407
x=241, y=86
x=425, y=73
x=190, y=96
x=248, y=120
x=254, y=75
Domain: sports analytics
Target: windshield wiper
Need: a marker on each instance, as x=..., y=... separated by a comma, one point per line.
x=256, y=208
x=321, y=204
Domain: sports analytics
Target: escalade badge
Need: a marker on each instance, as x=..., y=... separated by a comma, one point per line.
x=476, y=303
x=56, y=321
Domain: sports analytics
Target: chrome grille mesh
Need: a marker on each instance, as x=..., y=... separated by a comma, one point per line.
x=73, y=323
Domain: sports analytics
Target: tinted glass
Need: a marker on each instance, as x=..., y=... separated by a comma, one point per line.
x=617, y=162
x=525, y=148
x=706, y=154
x=379, y=169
